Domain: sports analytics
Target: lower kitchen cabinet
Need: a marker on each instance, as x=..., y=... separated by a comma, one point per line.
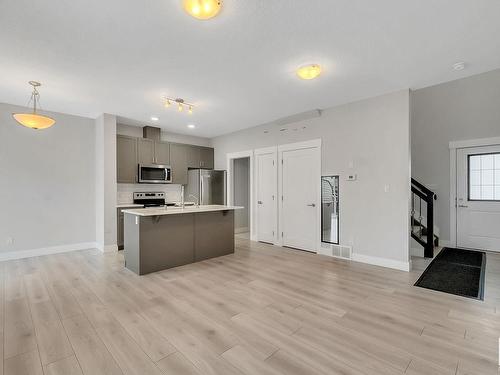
x=120, y=234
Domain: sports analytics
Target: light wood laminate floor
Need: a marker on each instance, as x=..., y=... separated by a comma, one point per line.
x=264, y=310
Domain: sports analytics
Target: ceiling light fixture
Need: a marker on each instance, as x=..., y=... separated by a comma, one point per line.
x=34, y=120
x=191, y=126
x=181, y=103
x=309, y=71
x=154, y=118
x=202, y=9
x=459, y=66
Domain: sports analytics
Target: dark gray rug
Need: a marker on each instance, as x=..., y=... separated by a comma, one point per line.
x=456, y=271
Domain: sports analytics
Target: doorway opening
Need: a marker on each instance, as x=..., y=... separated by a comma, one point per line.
x=240, y=166
x=241, y=196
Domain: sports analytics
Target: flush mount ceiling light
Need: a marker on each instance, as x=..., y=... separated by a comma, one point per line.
x=191, y=126
x=309, y=71
x=181, y=103
x=34, y=120
x=202, y=9
x=458, y=66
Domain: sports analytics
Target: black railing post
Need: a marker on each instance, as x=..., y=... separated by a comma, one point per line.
x=428, y=197
x=429, y=248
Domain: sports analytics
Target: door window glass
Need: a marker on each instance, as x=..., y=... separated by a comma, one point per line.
x=484, y=177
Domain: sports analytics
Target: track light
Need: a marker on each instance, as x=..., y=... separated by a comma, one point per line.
x=180, y=104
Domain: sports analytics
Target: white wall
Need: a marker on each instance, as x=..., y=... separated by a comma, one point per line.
x=241, y=192
x=371, y=138
x=47, y=184
x=106, y=221
x=464, y=109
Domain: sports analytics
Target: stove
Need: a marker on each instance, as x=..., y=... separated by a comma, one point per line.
x=150, y=199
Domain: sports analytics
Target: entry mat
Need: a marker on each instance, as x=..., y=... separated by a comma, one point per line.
x=456, y=271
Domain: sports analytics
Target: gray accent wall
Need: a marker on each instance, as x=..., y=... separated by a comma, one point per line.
x=467, y=108
x=47, y=183
x=370, y=138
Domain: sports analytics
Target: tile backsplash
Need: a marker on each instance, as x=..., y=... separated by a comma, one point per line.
x=125, y=191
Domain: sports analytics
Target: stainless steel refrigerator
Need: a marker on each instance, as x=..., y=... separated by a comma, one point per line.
x=207, y=185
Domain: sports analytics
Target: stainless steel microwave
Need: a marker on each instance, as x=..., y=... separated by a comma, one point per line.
x=155, y=174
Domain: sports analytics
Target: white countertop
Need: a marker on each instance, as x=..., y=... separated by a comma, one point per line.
x=128, y=205
x=135, y=205
x=178, y=210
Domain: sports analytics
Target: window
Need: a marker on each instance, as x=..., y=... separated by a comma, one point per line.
x=484, y=177
x=330, y=209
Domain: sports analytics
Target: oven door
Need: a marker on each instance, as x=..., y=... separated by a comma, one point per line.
x=155, y=174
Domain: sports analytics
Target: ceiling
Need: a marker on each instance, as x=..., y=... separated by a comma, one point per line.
x=122, y=56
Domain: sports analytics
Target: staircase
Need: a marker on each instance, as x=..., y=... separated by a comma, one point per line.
x=422, y=217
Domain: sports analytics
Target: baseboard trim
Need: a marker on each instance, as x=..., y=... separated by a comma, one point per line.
x=107, y=248
x=383, y=262
x=21, y=254
x=241, y=230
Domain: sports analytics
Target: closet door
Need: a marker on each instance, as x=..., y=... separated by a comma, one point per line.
x=266, y=194
x=300, y=197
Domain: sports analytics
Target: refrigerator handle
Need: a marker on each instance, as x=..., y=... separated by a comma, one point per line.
x=200, y=198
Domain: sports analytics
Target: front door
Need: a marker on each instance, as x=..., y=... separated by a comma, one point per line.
x=300, y=205
x=478, y=198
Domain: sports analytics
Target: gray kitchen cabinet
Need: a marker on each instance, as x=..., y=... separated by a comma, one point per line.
x=126, y=159
x=179, y=162
x=200, y=157
x=145, y=151
x=162, y=153
x=206, y=157
x=120, y=235
x=193, y=157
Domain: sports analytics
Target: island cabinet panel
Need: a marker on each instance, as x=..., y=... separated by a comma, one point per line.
x=126, y=159
x=179, y=163
x=214, y=234
x=155, y=243
x=145, y=151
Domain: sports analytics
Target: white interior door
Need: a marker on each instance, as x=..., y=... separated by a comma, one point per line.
x=300, y=185
x=478, y=198
x=266, y=190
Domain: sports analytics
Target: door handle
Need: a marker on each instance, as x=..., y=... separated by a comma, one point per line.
x=462, y=206
x=311, y=205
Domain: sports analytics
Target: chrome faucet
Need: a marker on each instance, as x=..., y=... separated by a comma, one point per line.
x=197, y=201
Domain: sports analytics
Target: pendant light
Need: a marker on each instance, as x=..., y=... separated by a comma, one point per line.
x=34, y=120
x=203, y=9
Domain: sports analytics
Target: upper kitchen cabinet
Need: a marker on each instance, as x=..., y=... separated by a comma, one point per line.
x=145, y=151
x=200, y=157
x=206, y=157
x=126, y=159
x=162, y=153
x=193, y=153
x=179, y=162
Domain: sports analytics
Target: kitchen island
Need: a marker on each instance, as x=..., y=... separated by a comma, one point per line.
x=159, y=238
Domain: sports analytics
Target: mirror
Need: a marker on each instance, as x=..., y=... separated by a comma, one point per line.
x=330, y=209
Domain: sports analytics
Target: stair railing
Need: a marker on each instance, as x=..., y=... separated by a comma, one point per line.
x=424, y=234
